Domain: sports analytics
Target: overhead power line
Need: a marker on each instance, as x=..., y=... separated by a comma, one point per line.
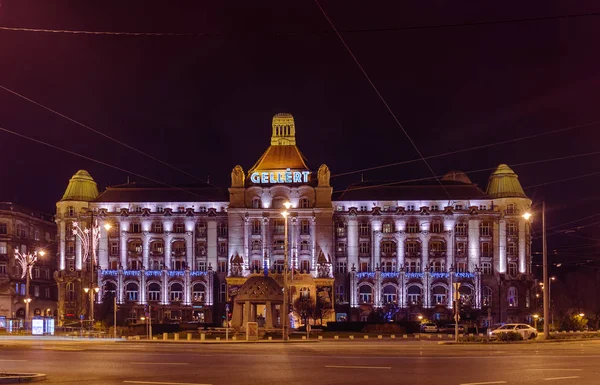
x=302, y=33
x=96, y=161
x=469, y=149
x=99, y=132
x=360, y=67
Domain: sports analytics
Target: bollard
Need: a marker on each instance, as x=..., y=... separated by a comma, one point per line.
x=303, y=337
x=155, y=338
x=351, y=337
x=202, y=336
x=366, y=337
x=379, y=337
x=218, y=338
x=450, y=336
x=336, y=337
x=234, y=338
x=137, y=338
x=320, y=338
x=470, y=334
x=480, y=334
x=165, y=336
x=176, y=336
x=393, y=336
x=404, y=336
x=189, y=336
x=440, y=336
x=270, y=338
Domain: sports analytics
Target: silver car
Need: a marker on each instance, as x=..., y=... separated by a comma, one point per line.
x=526, y=331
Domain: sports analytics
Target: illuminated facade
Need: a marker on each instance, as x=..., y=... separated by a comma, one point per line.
x=27, y=231
x=185, y=253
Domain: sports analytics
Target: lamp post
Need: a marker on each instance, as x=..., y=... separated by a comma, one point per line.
x=89, y=241
x=552, y=279
x=285, y=309
x=535, y=318
x=546, y=293
x=27, y=261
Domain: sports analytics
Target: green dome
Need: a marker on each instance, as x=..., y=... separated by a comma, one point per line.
x=504, y=183
x=81, y=188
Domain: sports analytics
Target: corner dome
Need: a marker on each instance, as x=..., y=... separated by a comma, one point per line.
x=260, y=288
x=457, y=176
x=81, y=188
x=504, y=183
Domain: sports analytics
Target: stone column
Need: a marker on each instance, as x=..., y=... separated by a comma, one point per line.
x=103, y=247
x=269, y=321
x=123, y=254
x=189, y=250
x=522, y=247
x=211, y=242
x=164, y=286
x=424, y=237
x=210, y=288
x=246, y=255
x=376, y=243
x=120, y=288
x=352, y=240
x=167, y=237
x=313, y=240
x=187, y=288
x=78, y=254
x=477, y=289
x=377, y=291
x=427, y=289
x=265, y=243
x=146, y=250
x=474, y=252
x=63, y=239
x=100, y=281
x=402, y=288
x=142, y=297
x=353, y=289
x=451, y=291
x=292, y=235
x=449, y=249
x=400, y=238
x=502, y=263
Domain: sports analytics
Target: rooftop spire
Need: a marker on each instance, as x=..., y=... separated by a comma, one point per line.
x=81, y=188
x=284, y=130
x=504, y=183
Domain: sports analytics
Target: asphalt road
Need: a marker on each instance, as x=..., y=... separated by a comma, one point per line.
x=340, y=362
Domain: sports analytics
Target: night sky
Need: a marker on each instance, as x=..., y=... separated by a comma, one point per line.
x=457, y=75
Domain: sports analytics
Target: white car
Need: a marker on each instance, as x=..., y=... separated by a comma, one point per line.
x=526, y=331
x=429, y=328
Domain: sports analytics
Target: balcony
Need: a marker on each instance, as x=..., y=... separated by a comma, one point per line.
x=437, y=254
x=413, y=254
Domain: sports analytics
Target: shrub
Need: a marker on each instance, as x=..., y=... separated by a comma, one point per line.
x=510, y=336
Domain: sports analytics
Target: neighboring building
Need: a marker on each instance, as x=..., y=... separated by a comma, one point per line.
x=183, y=253
x=28, y=231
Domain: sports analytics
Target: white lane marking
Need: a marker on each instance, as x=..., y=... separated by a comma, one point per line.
x=13, y=360
x=485, y=383
x=163, y=383
x=560, y=378
x=357, y=367
x=572, y=370
x=159, y=363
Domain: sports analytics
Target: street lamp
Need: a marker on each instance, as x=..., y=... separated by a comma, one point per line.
x=535, y=318
x=27, y=261
x=89, y=242
x=546, y=293
x=285, y=310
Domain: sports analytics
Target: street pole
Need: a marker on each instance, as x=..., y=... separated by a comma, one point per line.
x=226, y=322
x=115, y=316
x=285, y=279
x=545, y=272
x=456, y=294
x=27, y=299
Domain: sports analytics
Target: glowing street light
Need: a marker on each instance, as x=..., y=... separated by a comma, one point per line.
x=27, y=261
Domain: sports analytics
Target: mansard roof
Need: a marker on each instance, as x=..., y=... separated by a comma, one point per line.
x=426, y=190
x=146, y=192
x=81, y=187
x=504, y=183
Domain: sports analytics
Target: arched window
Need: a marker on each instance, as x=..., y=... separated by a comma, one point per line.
x=70, y=289
x=389, y=294
x=439, y=295
x=512, y=296
x=487, y=296
x=365, y=294
x=154, y=292
x=110, y=287
x=198, y=293
x=131, y=291
x=413, y=295
x=176, y=292
x=71, y=211
x=466, y=295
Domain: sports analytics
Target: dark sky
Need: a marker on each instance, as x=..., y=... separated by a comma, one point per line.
x=204, y=103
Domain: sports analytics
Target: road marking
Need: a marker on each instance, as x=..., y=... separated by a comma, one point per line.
x=13, y=360
x=357, y=367
x=485, y=383
x=572, y=370
x=163, y=383
x=159, y=363
x=561, y=378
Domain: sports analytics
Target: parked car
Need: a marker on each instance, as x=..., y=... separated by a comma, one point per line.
x=429, y=328
x=451, y=328
x=526, y=331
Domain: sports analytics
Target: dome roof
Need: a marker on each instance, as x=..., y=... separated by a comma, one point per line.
x=504, y=183
x=260, y=288
x=457, y=176
x=81, y=188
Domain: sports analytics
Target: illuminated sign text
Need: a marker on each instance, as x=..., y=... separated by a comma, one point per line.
x=286, y=176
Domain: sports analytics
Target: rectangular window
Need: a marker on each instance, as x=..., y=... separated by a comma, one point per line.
x=340, y=229
x=176, y=296
x=256, y=227
x=201, y=230
x=304, y=246
x=152, y=295
x=222, y=248
x=278, y=226
x=3, y=229
x=222, y=230
x=340, y=294
x=222, y=267
x=3, y=248
x=47, y=273
x=365, y=267
x=364, y=229
x=461, y=229
x=388, y=227
x=388, y=247
x=461, y=249
x=201, y=248
x=458, y=207
x=461, y=267
x=223, y=293
x=304, y=227
x=179, y=228
x=435, y=208
x=486, y=268
x=364, y=248
x=135, y=228
x=485, y=229
x=201, y=265
x=341, y=268
x=341, y=248
x=3, y=268
x=36, y=272
x=413, y=247
x=511, y=249
x=412, y=227
x=47, y=292
x=512, y=269
x=410, y=207
x=305, y=266
x=157, y=227
x=511, y=208
x=512, y=229
x=36, y=291
x=437, y=227
x=486, y=249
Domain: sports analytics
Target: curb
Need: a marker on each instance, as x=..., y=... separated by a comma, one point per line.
x=550, y=341
x=222, y=342
x=21, y=378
